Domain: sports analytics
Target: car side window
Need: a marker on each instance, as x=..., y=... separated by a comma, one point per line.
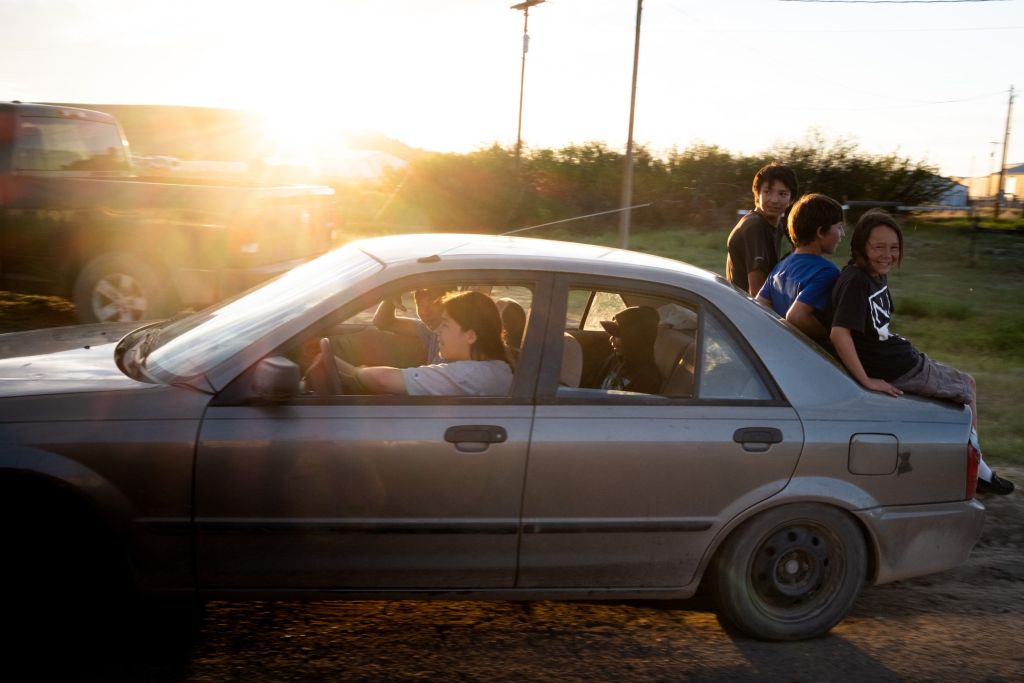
x=401, y=331
x=726, y=371
x=655, y=354
x=603, y=306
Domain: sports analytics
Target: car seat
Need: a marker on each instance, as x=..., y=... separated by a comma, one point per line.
x=572, y=361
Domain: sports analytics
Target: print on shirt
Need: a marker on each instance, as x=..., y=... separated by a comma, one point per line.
x=881, y=312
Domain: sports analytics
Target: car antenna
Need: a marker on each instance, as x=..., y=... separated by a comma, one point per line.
x=577, y=218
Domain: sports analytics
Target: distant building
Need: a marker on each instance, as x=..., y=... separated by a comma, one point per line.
x=956, y=195
x=986, y=186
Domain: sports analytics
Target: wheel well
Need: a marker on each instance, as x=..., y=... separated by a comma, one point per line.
x=39, y=504
x=869, y=542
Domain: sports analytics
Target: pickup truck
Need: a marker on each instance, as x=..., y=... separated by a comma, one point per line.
x=76, y=222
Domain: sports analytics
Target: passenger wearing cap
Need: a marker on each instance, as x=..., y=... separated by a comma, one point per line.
x=631, y=366
x=428, y=311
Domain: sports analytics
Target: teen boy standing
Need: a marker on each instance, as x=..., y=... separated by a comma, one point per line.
x=799, y=288
x=753, y=245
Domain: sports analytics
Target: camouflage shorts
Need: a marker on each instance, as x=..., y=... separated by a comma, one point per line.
x=934, y=380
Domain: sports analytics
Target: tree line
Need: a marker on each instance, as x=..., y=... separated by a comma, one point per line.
x=700, y=186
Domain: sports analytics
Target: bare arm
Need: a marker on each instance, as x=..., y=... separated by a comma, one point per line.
x=377, y=380
x=802, y=317
x=755, y=280
x=385, y=319
x=764, y=302
x=843, y=343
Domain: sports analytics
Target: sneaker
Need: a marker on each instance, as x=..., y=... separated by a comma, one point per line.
x=998, y=486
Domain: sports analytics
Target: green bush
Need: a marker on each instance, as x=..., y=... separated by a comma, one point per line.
x=700, y=186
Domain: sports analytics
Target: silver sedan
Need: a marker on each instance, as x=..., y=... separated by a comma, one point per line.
x=201, y=456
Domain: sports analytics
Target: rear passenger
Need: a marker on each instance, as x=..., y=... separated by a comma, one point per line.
x=799, y=287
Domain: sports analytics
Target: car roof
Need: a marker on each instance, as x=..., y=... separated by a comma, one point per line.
x=515, y=252
x=55, y=111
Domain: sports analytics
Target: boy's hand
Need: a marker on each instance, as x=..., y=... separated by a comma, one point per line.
x=881, y=386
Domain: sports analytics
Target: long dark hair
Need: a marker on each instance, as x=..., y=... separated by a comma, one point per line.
x=862, y=232
x=476, y=311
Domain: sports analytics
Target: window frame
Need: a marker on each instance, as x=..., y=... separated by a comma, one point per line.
x=524, y=379
x=547, y=386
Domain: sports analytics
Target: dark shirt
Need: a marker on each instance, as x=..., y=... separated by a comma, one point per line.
x=752, y=245
x=641, y=377
x=863, y=305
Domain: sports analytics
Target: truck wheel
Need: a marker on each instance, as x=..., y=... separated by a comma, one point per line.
x=119, y=287
x=791, y=573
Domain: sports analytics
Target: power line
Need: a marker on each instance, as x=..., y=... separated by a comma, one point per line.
x=887, y=2
x=845, y=30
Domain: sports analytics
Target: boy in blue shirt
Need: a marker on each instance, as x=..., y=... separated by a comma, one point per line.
x=799, y=287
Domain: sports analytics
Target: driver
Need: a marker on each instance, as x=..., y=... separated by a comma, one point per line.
x=474, y=357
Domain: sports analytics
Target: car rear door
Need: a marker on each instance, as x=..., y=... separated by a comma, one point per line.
x=627, y=490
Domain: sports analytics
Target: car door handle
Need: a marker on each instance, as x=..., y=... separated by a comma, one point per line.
x=475, y=438
x=757, y=439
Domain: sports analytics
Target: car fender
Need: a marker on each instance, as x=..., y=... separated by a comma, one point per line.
x=71, y=478
x=825, y=490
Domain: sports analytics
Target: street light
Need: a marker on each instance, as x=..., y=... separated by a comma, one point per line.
x=525, y=7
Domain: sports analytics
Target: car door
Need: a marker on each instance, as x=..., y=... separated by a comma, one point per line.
x=358, y=492
x=627, y=490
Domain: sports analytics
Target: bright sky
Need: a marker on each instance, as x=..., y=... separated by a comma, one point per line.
x=928, y=80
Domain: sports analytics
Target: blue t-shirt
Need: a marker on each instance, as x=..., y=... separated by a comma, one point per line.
x=808, y=278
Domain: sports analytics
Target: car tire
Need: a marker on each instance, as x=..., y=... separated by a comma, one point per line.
x=63, y=574
x=119, y=287
x=790, y=573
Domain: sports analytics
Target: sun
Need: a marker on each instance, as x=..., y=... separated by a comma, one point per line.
x=291, y=137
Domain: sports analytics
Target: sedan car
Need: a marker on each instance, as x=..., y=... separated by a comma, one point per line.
x=200, y=455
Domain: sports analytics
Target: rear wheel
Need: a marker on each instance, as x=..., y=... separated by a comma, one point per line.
x=791, y=573
x=119, y=287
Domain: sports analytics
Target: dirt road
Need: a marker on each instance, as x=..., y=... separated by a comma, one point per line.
x=966, y=624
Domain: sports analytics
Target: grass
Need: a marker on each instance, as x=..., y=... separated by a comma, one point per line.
x=959, y=297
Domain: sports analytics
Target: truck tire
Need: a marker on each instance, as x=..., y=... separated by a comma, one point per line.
x=119, y=287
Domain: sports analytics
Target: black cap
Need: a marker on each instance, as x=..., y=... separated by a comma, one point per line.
x=636, y=321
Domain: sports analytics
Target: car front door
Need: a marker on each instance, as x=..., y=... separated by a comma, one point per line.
x=360, y=492
x=627, y=490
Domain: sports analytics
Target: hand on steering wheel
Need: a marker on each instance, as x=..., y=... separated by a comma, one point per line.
x=331, y=367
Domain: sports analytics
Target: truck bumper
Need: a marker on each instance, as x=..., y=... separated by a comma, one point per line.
x=198, y=287
x=912, y=540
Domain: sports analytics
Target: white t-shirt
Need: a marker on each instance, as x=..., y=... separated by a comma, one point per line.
x=460, y=378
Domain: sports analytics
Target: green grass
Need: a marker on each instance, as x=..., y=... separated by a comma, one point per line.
x=959, y=297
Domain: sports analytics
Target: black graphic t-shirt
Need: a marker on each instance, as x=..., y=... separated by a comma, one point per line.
x=863, y=305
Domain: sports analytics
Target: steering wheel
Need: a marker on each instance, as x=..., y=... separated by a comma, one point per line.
x=331, y=367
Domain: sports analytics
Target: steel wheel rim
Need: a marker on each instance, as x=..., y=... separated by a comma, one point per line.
x=796, y=571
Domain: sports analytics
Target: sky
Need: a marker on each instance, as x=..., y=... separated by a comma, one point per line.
x=927, y=80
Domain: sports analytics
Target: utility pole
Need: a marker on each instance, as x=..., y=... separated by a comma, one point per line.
x=525, y=6
x=627, y=180
x=1002, y=165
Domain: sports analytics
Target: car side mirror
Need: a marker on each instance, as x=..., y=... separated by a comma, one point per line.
x=276, y=379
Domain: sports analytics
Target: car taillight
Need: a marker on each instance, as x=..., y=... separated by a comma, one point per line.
x=973, y=458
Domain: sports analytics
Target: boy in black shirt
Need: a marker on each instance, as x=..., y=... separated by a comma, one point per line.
x=753, y=245
x=879, y=359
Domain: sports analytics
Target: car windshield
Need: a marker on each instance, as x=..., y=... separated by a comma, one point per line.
x=191, y=346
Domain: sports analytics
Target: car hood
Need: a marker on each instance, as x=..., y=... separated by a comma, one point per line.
x=84, y=369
